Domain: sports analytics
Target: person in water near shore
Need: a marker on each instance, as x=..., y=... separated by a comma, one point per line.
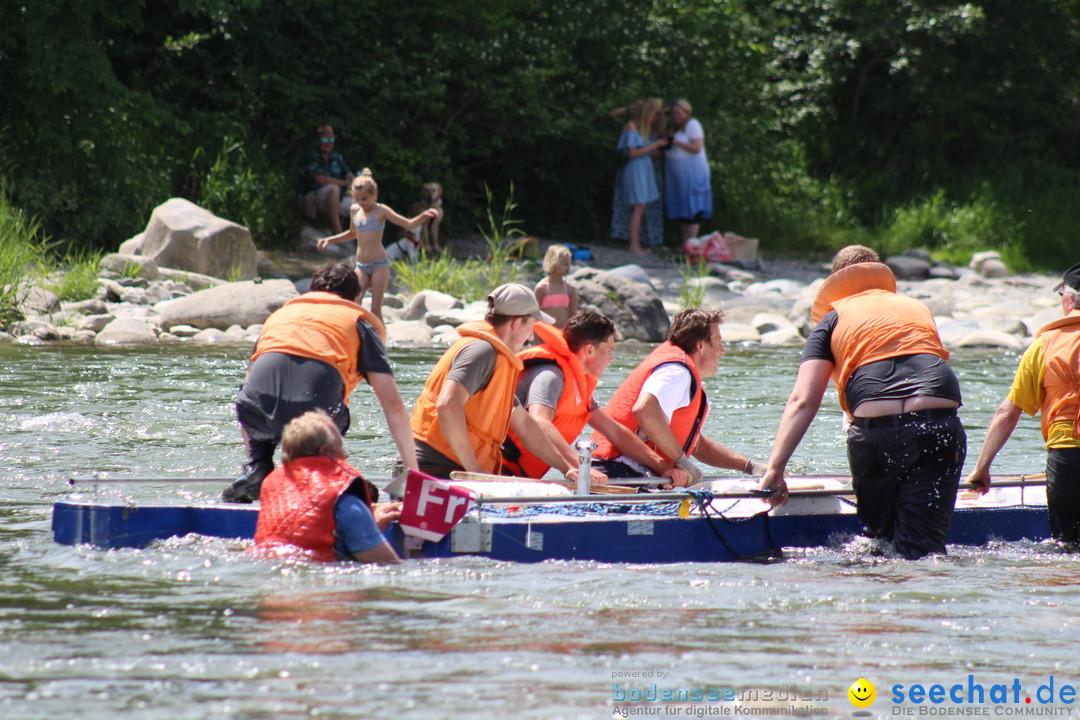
x=556, y=388
x=663, y=401
x=467, y=405
x=310, y=355
x=557, y=297
x=906, y=445
x=319, y=503
x=1047, y=380
x=366, y=226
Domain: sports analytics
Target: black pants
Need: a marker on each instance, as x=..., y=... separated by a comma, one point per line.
x=1063, y=493
x=905, y=470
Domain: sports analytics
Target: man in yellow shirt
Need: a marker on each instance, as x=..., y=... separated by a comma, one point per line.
x=1048, y=380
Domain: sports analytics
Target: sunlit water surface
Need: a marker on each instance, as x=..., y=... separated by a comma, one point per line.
x=197, y=628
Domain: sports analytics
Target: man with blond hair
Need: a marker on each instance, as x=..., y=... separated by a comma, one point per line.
x=906, y=445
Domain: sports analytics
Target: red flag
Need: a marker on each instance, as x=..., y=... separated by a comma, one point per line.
x=432, y=506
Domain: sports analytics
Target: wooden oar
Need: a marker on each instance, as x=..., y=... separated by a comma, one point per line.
x=110, y=480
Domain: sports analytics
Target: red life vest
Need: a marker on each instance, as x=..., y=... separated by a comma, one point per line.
x=297, y=504
x=1061, y=373
x=487, y=412
x=685, y=423
x=320, y=326
x=572, y=409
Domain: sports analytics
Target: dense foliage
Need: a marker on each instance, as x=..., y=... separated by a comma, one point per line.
x=826, y=120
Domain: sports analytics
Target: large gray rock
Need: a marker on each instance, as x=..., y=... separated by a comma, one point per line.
x=409, y=332
x=184, y=236
x=988, y=264
x=126, y=331
x=427, y=301
x=40, y=301
x=241, y=303
x=907, y=267
x=634, y=307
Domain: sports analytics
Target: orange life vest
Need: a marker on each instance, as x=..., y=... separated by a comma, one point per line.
x=1061, y=373
x=572, y=409
x=877, y=325
x=320, y=326
x=685, y=423
x=297, y=504
x=487, y=412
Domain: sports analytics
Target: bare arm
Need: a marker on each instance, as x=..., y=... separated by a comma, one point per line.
x=693, y=147
x=380, y=554
x=1001, y=428
x=544, y=416
x=651, y=420
x=802, y=406
x=537, y=442
x=630, y=445
x=397, y=417
x=711, y=452
x=450, y=407
x=409, y=223
x=572, y=292
x=342, y=236
x=638, y=152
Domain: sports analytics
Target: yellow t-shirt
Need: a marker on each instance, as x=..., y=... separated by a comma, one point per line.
x=1027, y=394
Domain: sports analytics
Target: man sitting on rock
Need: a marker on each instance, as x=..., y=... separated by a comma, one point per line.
x=467, y=405
x=556, y=388
x=319, y=503
x=325, y=180
x=310, y=355
x=663, y=401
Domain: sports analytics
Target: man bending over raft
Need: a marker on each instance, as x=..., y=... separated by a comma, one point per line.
x=311, y=354
x=1048, y=381
x=906, y=445
x=556, y=389
x=467, y=405
x=663, y=402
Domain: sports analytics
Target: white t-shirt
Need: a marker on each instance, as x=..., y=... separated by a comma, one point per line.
x=670, y=385
x=691, y=131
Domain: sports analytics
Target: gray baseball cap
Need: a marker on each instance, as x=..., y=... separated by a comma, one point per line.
x=514, y=299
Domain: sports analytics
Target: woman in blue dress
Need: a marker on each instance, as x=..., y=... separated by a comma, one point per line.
x=638, y=181
x=688, y=194
x=652, y=223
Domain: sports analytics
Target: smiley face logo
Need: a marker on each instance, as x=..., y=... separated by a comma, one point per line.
x=862, y=693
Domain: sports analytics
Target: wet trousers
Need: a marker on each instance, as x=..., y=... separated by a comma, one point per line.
x=1063, y=493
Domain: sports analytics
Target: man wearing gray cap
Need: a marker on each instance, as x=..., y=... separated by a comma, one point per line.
x=1048, y=380
x=467, y=405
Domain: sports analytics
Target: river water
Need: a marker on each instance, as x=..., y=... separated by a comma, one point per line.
x=197, y=628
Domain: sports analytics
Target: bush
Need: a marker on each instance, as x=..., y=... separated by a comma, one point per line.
x=20, y=249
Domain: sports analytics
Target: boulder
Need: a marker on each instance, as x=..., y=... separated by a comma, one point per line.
x=126, y=331
x=985, y=337
x=34, y=328
x=408, y=332
x=184, y=236
x=632, y=272
x=40, y=301
x=767, y=322
x=634, y=307
x=739, y=332
x=906, y=267
x=452, y=317
x=426, y=301
x=129, y=264
x=241, y=303
x=95, y=323
x=988, y=264
x=193, y=280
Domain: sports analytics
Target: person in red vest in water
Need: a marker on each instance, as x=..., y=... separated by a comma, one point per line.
x=556, y=388
x=906, y=444
x=317, y=502
x=1048, y=380
x=311, y=354
x=663, y=401
x=467, y=405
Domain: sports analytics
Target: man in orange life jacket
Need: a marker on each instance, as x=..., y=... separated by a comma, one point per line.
x=663, y=401
x=906, y=445
x=467, y=405
x=1048, y=380
x=319, y=503
x=556, y=388
x=311, y=354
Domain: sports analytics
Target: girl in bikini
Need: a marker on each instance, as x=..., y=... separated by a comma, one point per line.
x=368, y=219
x=557, y=297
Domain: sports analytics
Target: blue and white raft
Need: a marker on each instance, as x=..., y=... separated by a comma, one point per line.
x=531, y=522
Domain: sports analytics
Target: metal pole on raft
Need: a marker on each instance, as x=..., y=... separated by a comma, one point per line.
x=584, y=473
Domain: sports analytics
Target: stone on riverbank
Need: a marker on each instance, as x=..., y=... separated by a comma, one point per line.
x=634, y=307
x=241, y=303
x=184, y=236
x=126, y=331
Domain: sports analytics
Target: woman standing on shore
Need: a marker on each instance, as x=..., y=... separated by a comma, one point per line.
x=638, y=182
x=689, y=190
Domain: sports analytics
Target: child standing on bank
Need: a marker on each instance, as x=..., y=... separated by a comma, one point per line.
x=556, y=296
x=367, y=221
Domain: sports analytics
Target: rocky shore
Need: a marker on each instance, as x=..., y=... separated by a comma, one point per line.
x=767, y=302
